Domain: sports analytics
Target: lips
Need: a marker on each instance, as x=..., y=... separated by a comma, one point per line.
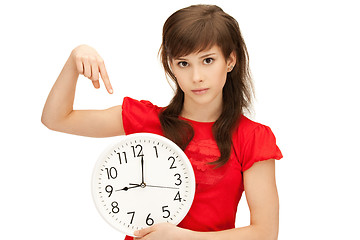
x=200, y=91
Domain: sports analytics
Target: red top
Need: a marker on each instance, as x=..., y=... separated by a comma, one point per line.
x=218, y=191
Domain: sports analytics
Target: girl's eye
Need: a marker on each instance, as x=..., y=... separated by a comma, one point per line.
x=208, y=60
x=183, y=64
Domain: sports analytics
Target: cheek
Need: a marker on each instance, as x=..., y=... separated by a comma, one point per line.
x=221, y=75
x=181, y=83
x=177, y=73
x=182, y=78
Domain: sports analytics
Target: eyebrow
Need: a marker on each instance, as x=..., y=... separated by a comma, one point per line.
x=207, y=55
x=203, y=56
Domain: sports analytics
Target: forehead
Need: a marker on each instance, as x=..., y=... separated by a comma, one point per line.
x=215, y=49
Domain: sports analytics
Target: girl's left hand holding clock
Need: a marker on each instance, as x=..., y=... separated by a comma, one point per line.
x=162, y=231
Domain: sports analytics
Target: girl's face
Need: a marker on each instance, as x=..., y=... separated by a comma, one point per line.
x=202, y=76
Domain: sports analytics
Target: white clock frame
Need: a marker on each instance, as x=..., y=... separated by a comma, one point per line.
x=130, y=195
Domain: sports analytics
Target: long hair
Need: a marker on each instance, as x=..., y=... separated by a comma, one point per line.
x=195, y=29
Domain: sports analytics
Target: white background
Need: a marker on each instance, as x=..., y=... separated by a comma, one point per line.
x=304, y=57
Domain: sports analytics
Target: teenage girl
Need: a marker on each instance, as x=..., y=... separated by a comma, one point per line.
x=203, y=52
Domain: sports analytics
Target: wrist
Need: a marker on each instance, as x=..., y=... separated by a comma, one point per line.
x=70, y=66
x=192, y=235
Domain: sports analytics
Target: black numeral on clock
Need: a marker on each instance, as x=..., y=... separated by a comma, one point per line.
x=111, y=172
x=177, y=197
x=166, y=211
x=109, y=189
x=132, y=217
x=149, y=220
x=115, y=208
x=178, y=178
x=125, y=158
x=156, y=152
x=140, y=150
x=173, y=162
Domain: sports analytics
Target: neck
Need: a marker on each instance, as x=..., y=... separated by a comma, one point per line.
x=201, y=113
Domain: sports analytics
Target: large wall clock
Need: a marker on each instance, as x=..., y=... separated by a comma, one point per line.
x=142, y=180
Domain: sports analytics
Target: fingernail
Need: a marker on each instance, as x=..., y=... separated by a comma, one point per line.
x=136, y=232
x=111, y=91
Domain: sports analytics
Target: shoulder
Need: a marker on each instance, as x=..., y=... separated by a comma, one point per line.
x=254, y=142
x=140, y=116
x=141, y=105
x=247, y=127
x=249, y=131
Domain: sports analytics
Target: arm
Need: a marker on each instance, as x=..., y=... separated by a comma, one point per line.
x=262, y=198
x=58, y=113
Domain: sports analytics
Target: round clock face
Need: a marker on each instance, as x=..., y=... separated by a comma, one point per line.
x=142, y=180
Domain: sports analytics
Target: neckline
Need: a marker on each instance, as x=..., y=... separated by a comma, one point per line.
x=196, y=122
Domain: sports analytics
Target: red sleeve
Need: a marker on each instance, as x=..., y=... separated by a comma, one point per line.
x=260, y=146
x=140, y=116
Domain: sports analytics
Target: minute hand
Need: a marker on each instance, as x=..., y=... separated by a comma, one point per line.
x=142, y=170
x=162, y=187
x=133, y=184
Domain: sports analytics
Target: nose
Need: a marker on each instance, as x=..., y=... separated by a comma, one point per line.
x=198, y=75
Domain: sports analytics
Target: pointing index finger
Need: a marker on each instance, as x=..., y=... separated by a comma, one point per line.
x=105, y=77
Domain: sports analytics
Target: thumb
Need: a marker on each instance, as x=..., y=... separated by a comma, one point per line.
x=143, y=232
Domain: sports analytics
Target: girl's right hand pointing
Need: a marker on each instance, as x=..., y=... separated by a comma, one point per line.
x=90, y=64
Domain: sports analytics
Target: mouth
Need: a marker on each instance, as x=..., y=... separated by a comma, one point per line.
x=200, y=91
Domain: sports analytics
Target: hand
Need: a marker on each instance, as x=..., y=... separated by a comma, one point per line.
x=146, y=185
x=162, y=231
x=142, y=170
x=127, y=188
x=90, y=64
x=161, y=187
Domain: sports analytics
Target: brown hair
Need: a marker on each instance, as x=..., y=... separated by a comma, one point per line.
x=194, y=29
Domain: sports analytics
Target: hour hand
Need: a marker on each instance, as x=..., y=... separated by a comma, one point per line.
x=127, y=188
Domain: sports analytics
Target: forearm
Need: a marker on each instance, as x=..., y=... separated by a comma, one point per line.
x=244, y=233
x=59, y=103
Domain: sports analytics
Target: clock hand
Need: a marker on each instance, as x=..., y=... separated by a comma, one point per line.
x=142, y=170
x=162, y=187
x=154, y=186
x=141, y=184
x=127, y=188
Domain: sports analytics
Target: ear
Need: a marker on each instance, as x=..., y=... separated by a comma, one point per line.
x=231, y=60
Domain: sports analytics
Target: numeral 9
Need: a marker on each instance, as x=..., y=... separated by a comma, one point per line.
x=109, y=189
